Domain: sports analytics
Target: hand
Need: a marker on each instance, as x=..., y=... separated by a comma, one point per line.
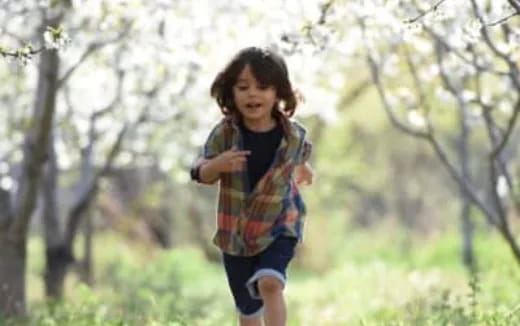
x=230, y=161
x=303, y=174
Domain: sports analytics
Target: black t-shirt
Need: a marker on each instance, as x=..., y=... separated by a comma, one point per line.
x=263, y=146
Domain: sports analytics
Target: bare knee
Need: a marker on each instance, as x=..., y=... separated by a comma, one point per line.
x=269, y=285
x=250, y=322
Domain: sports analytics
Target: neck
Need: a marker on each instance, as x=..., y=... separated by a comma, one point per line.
x=260, y=126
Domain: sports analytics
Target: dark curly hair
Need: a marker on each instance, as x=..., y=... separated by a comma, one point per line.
x=269, y=69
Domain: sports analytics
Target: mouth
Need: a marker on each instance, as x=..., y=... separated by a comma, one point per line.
x=253, y=106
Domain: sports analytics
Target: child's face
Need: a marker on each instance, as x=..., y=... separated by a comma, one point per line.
x=254, y=100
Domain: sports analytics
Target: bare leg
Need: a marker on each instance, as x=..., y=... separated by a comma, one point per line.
x=271, y=291
x=250, y=322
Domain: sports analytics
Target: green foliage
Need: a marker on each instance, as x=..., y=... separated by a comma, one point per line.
x=373, y=281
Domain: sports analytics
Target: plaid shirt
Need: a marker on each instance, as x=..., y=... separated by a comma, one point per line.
x=248, y=222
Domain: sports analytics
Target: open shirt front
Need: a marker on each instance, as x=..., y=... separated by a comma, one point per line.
x=249, y=221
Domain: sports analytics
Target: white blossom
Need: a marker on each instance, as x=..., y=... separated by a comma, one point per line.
x=439, y=15
x=6, y=183
x=502, y=187
x=472, y=31
x=411, y=29
x=468, y=95
x=405, y=95
x=416, y=118
x=505, y=107
x=56, y=38
x=24, y=55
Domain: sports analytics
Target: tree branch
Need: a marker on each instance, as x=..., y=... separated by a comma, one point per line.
x=512, y=122
x=376, y=78
x=19, y=53
x=115, y=150
x=504, y=19
x=513, y=69
x=92, y=48
x=423, y=101
x=428, y=135
x=515, y=4
x=441, y=154
x=459, y=55
x=324, y=10
x=422, y=14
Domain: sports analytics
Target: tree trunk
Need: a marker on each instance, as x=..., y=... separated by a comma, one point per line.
x=12, y=277
x=467, y=228
x=85, y=272
x=511, y=241
x=14, y=229
x=58, y=257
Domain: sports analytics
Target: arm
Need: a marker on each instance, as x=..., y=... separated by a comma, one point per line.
x=209, y=170
x=204, y=172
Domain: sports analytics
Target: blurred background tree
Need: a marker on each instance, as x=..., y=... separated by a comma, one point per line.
x=447, y=74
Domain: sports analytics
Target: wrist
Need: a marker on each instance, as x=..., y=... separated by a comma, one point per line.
x=208, y=171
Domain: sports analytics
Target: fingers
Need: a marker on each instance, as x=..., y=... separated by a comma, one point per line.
x=234, y=152
x=233, y=160
x=237, y=164
x=306, y=181
x=304, y=177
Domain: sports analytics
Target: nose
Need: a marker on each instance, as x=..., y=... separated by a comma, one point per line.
x=252, y=91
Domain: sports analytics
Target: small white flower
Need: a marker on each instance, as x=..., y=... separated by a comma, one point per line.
x=406, y=96
x=468, y=95
x=416, y=118
x=505, y=107
x=6, y=183
x=50, y=42
x=439, y=15
x=472, y=31
x=24, y=55
x=412, y=28
x=502, y=186
x=504, y=47
x=56, y=39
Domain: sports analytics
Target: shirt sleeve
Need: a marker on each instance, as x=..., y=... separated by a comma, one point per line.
x=213, y=146
x=306, y=151
x=305, y=148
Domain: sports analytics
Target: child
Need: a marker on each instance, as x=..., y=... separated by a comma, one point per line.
x=259, y=156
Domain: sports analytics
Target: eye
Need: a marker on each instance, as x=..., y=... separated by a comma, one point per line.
x=263, y=87
x=242, y=87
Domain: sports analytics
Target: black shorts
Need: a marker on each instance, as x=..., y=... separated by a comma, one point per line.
x=243, y=273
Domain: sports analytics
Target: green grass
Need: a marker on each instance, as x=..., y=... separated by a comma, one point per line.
x=375, y=278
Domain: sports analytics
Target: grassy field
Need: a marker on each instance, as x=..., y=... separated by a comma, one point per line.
x=376, y=278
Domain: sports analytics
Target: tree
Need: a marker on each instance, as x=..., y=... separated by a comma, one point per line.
x=461, y=55
x=15, y=219
x=140, y=42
